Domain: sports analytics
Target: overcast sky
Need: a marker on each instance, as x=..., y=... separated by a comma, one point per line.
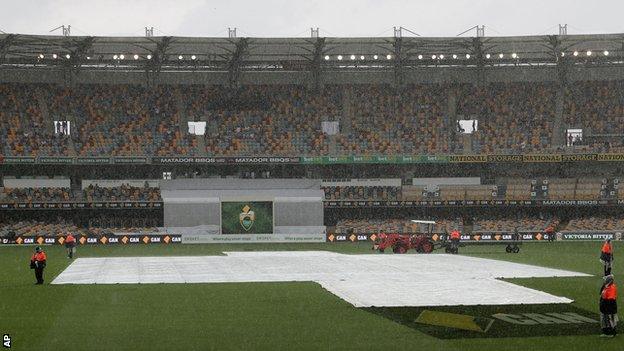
x=283, y=18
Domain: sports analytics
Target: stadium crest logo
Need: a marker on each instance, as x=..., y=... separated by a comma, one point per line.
x=247, y=218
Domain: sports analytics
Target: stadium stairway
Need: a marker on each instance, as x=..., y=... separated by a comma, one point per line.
x=181, y=106
x=45, y=112
x=558, y=134
x=43, y=107
x=183, y=124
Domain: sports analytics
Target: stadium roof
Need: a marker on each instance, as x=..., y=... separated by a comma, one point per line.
x=302, y=54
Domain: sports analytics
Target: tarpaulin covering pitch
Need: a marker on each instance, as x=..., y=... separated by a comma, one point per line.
x=362, y=280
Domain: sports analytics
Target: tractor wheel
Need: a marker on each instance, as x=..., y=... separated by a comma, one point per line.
x=400, y=249
x=426, y=247
x=515, y=249
x=508, y=249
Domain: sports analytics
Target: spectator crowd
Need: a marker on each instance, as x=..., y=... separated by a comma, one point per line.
x=285, y=120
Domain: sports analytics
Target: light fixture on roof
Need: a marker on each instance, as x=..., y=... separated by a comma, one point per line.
x=375, y=57
x=514, y=55
x=67, y=56
x=136, y=57
x=193, y=57
x=339, y=57
x=562, y=54
x=149, y=57
x=606, y=53
x=121, y=57
x=501, y=55
x=441, y=57
x=40, y=56
x=467, y=56
x=180, y=57
x=361, y=57
x=88, y=57
x=487, y=56
x=54, y=56
x=326, y=57
x=575, y=53
x=433, y=57
x=588, y=53
x=454, y=57
x=114, y=57
x=420, y=57
x=352, y=57
x=389, y=57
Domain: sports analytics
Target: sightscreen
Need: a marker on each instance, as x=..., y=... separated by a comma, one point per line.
x=250, y=217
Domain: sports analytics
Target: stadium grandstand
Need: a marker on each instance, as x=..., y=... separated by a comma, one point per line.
x=457, y=130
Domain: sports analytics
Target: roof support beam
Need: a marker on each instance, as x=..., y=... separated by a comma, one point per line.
x=237, y=58
x=399, y=76
x=315, y=66
x=479, y=56
x=159, y=56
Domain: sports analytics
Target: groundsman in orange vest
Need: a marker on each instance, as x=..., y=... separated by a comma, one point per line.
x=38, y=262
x=608, y=307
x=606, y=256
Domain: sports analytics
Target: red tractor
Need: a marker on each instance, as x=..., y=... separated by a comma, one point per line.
x=401, y=243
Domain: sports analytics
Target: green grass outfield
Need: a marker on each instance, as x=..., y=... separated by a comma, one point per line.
x=253, y=316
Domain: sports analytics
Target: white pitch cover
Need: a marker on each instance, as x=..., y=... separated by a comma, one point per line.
x=362, y=280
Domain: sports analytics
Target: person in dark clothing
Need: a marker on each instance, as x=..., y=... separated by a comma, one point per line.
x=608, y=307
x=550, y=231
x=38, y=262
x=606, y=256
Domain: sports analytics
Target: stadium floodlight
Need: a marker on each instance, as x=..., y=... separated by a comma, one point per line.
x=375, y=57
x=433, y=57
x=193, y=57
x=339, y=57
x=114, y=57
x=361, y=57
x=487, y=56
x=562, y=54
x=136, y=57
x=420, y=57
x=589, y=53
x=149, y=57
x=389, y=57
x=352, y=57
x=468, y=56
x=40, y=56
x=441, y=57
x=180, y=57
x=326, y=57
x=54, y=56
x=88, y=57
x=454, y=57
x=67, y=56
x=606, y=53
x=575, y=53
x=121, y=57
x=501, y=55
x=514, y=55
x=423, y=222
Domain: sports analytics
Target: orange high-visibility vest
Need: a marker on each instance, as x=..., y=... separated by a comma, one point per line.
x=39, y=257
x=606, y=248
x=455, y=234
x=70, y=239
x=609, y=292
